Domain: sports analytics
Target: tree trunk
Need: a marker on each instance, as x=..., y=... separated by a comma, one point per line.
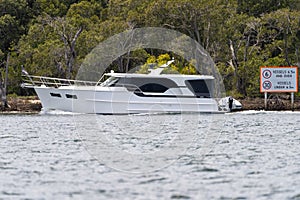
x=121, y=66
x=244, y=77
x=196, y=31
x=3, y=85
x=298, y=57
x=127, y=63
x=235, y=63
x=286, y=53
x=234, y=59
x=72, y=53
x=1, y=90
x=208, y=36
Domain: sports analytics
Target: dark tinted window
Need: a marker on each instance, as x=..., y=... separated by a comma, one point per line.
x=149, y=84
x=71, y=96
x=55, y=94
x=153, y=87
x=199, y=88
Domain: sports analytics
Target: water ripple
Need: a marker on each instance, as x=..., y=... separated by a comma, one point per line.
x=251, y=155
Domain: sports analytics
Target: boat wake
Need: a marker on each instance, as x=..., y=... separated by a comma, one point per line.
x=257, y=112
x=57, y=112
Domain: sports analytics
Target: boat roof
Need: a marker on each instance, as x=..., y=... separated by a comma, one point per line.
x=157, y=73
x=134, y=75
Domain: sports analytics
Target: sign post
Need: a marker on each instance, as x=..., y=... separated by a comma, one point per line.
x=266, y=100
x=279, y=79
x=292, y=100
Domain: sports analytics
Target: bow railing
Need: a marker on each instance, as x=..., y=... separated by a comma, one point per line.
x=30, y=81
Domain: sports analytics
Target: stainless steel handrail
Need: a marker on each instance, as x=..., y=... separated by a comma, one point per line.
x=30, y=81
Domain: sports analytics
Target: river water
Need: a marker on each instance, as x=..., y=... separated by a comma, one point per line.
x=244, y=155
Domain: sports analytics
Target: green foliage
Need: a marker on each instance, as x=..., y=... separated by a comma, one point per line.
x=15, y=17
x=258, y=7
x=239, y=35
x=85, y=14
x=189, y=69
x=54, y=8
x=9, y=31
x=1, y=55
x=154, y=62
x=163, y=58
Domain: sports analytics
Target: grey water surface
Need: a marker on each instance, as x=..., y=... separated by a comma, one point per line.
x=244, y=155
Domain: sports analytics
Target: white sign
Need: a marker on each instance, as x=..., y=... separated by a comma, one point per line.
x=278, y=79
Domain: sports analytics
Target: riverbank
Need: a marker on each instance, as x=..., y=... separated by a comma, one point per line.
x=22, y=104
x=274, y=102
x=32, y=105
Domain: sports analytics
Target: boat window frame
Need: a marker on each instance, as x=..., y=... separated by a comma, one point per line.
x=207, y=93
x=71, y=96
x=140, y=82
x=162, y=89
x=110, y=81
x=56, y=95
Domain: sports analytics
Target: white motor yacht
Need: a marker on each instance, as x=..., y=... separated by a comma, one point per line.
x=128, y=93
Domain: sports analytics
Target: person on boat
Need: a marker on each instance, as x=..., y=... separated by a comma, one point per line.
x=230, y=103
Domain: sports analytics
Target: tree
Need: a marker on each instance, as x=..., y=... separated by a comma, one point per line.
x=9, y=31
x=69, y=36
x=14, y=19
x=51, y=41
x=52, y=37
x=257, y=7
x=281, y=34
x=54, y=8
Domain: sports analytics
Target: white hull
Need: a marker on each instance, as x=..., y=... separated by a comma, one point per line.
x=116, y=100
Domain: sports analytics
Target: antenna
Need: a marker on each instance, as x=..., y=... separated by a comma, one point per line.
x=158, y=70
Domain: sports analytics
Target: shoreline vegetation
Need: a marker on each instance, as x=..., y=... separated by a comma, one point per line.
x=32, y=105
x=55, y=38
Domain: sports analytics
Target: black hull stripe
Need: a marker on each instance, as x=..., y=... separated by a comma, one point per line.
x=165, y=96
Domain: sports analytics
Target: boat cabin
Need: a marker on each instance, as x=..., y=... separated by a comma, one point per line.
x=177, y=85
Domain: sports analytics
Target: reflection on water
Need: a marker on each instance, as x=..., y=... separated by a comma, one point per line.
x=251, y=155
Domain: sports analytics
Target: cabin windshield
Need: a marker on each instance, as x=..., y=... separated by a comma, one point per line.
x=109, y=82
x=201, y=88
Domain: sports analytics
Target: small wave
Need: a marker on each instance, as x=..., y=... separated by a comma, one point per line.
x=12, y=193
x=252, y=112
x=256, y=112
x=7, y=136
x=57, y=112
x=206, y=169
x=152, y=180
x=157, y=113
x=297, y=196
x=180, y=196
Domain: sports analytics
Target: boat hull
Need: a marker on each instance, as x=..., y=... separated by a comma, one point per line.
x=119, y=101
